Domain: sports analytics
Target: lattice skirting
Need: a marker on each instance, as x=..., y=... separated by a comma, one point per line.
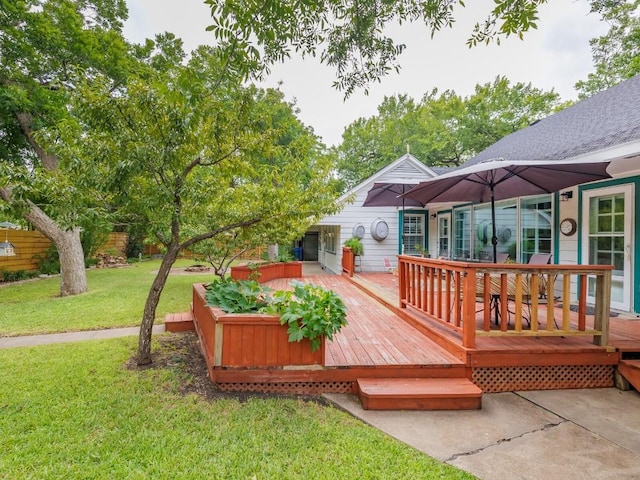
x=553, y=377
x=289, y=388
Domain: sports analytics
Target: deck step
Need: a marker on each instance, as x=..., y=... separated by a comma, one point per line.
x=419, y=394
x=630, y=369
x=179, y=322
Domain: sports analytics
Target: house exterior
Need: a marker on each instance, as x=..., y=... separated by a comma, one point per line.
x=595, y=223
x=378, y=227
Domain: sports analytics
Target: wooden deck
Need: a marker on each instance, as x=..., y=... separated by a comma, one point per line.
x=624, y=330
x=504, y=363
x=374, y=335
x=385, y=342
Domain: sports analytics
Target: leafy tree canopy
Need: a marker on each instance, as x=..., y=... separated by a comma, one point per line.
x=46, y=48
x=616, y=55
x=348, y=35
x=194, y=155
x=443, y=129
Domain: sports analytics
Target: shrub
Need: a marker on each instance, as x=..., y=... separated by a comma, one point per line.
x=237, y=296
x=134, y=246
x=310, y=311
x=18, y=275
x=49, y=263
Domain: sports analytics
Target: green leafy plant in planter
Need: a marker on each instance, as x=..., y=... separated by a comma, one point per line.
x=355, y=244
x=310, y=311
x=237, y=296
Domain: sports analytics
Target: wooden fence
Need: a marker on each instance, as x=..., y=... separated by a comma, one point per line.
x=30, y=247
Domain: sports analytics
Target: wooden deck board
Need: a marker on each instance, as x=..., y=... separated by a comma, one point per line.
x=374, y=335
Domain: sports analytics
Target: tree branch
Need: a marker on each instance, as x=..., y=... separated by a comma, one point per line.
x=49, y=161
x=218, y=231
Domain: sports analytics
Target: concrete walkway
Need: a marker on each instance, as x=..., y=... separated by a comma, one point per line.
x=540, y=435
x=33, y=340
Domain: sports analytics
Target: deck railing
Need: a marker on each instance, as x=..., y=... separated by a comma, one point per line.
x=505, y=300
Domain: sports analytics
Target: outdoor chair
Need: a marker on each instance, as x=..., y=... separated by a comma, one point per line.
x=541, y=259
x=502, y=257
x=495, y=292
x=388, y=266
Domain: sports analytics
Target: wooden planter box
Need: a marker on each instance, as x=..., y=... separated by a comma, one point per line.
x=268, y=271
x=247, y=340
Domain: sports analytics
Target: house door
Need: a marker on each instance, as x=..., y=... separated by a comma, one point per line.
x=444, y=235
x=310, y=247
x=607, y=239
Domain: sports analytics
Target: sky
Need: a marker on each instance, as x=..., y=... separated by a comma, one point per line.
x=555, y=56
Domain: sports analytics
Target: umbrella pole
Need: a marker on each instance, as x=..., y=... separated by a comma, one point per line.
x=494, y=237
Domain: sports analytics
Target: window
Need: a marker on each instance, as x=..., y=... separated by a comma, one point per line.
x=462, y=233
x=535, y=224
x=413, y=233
x=331, y=236
x=444, y=234
x=505, y=229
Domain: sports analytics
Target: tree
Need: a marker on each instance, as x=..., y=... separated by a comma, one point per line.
x=372, y=143
x=443, y=129
x=348, y=35
x=195, y=156
x=616, y=55
x=46, y=47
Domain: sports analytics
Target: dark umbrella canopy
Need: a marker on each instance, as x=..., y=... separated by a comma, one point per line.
x=499, y=179
x=388, y=195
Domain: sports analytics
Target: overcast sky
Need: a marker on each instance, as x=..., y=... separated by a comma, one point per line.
x=555, y=56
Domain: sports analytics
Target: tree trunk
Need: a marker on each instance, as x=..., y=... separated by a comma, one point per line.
x=73, y=275
x=149, y=315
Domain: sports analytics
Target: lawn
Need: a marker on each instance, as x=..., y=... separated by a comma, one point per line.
x=116, y=298
x=75, y=411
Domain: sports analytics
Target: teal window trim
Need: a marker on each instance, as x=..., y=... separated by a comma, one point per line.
x=635, y=180
x=556, y=227
x=425, y=214
x=400, y=230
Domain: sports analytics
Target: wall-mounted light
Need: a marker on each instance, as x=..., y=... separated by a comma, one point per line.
x=566, y=196
x=434, y=215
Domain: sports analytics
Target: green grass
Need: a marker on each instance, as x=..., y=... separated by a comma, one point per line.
x=74, y=411
x=115, y=298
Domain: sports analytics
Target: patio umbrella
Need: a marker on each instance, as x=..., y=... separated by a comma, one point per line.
x=389, y=195
x=499, y=179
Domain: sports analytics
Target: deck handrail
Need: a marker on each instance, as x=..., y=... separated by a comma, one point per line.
x=449, y=291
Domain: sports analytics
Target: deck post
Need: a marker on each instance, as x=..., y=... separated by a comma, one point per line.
x=402, y=283
x=469, y=309
x=217, y=345
x=603, y=307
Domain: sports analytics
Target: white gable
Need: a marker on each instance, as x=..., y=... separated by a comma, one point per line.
x=407, y=169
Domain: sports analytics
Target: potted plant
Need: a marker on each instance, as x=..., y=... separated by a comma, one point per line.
x=355, y=244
